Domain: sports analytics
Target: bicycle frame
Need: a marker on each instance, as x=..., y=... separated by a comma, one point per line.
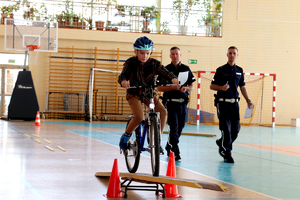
x=150, y=128
x=143, y=132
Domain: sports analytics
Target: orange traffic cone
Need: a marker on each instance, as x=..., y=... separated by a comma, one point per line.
x=37, y=130
x=114, y=186
x=37, y=119
x=171, y=190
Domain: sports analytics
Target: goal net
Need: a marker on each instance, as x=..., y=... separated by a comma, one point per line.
x=261, y=90
x=106, y=97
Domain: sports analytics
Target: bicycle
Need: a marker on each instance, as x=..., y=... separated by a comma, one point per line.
x=149, y=127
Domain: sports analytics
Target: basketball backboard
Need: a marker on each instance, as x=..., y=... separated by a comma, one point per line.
x=21, y=33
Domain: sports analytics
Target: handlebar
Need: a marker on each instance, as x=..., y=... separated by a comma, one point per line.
x=142, y=86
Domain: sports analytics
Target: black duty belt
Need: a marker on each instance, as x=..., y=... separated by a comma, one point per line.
x=177, y=100
x=229, y=100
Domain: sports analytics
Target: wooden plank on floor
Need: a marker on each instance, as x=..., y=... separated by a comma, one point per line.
x=148, y=178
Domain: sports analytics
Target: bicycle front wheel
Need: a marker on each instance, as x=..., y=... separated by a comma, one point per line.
x=155, y=144
x=132, y=154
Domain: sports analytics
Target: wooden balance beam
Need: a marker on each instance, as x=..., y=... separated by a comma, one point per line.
x=147, y=178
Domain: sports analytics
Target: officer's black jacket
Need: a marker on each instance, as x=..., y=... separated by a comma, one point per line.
x=232, y=75
x=175, y=94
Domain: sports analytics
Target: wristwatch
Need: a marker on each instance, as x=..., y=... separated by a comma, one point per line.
x=248, y=100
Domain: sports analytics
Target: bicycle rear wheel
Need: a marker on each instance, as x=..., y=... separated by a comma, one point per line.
x=132, y=154
x=155, y=145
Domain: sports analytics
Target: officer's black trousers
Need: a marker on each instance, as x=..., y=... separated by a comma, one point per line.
x=229, y=124
x=176, y=121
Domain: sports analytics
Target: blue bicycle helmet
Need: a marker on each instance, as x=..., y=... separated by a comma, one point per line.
x=143, y=43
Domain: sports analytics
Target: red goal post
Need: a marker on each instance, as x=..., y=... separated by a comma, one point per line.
x=261, y=88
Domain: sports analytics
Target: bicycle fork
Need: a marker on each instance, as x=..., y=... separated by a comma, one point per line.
x=142, y=134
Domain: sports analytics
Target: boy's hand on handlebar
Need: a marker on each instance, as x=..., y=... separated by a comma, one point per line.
x=175, y=81
x=125, y=84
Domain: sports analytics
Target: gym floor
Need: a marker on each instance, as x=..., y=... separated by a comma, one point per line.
x=266, y=162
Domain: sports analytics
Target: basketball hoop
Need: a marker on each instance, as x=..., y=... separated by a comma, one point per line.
x=32, y=60
x=33, y=47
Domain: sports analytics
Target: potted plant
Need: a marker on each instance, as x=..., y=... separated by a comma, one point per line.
x=8, y=10
x=43, y=11
x=90, y=21
x=67, y=17
x=74, y=19
x=82, y=24
x=212, y=20
x=50, y=18
x=109, y=5
x=146, y=24
x=59, y=19
x=5, y=11
x=150, y=12
x=146, y=30
x=129, y=8
x=33, y=12
x=182, y=9
x=25, y=15
x=99, y=25
x=121, y=9
x=165, y=28
x=153, y=12
x=115, y=29
x=145, y=12
x=207, y=19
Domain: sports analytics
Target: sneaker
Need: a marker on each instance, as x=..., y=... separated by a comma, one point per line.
x=177, y=157
x=123, y=141
x=221, y=152
x=161, y=151
x=228, y=159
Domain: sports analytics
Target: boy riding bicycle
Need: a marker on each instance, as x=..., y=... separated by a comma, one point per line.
x=142, y=69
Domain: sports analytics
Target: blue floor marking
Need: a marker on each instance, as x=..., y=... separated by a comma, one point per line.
x=267, y=172
x=18, y=131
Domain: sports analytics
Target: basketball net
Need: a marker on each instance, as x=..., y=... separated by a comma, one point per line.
x=32, y=58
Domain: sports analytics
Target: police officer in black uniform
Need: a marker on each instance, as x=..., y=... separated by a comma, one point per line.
x=176, y=98
x=226, y=80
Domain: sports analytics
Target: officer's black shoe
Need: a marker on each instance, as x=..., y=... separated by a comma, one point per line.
x=177, y=157
x=161, y=150
x=221, y=152
x=228, y=159
x=168, y=149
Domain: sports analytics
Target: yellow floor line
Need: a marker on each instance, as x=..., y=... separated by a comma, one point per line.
x=38, y=141
x=50, y=148
x=37, y=136
x=61, y=148
x=47, y=141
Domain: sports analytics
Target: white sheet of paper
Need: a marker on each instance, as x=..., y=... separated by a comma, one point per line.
x=249, y=111
x=183, y=76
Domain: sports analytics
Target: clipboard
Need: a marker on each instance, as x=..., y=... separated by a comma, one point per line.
x=183, y=77
x=249, y=111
